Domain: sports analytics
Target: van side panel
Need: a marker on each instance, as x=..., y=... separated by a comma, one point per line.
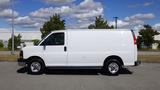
x=90, y=48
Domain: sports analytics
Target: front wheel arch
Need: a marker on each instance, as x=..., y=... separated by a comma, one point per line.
x=32, y=57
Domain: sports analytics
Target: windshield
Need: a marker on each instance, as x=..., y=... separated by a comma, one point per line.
x=54, y=39
x=41, y=40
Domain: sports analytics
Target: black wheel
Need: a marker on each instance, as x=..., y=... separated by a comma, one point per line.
x=36, y=66
x=112, y=67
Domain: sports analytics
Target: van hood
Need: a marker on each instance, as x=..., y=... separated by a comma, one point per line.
x=32, y=49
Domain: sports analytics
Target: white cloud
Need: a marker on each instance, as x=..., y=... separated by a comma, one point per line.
x=88, y=9
x=7, y=13
x=25, y=21
x=88, y=13
x=47, y=12
x=145, y=4
x=40, y=20
x=4, y=4
x=58, y=1
x=83, y=13
x=83, y=25
x=120, y=23
x=138, y=27
x=135, y=21
x=140, y=16
x=89, y=4
x=4, y=1
x=34, y=25
x=157, y=26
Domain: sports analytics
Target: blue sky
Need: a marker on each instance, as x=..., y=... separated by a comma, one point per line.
x=31, y=14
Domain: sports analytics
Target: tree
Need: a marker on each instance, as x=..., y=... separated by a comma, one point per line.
x=1, y=44
x=17, y=42
x=100, y=23
x=91, y=26
x=55, y=23
x=36, y=41
x=146, y=36
x=139, y=42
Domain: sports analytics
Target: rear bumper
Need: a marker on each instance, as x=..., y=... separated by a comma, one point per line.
x=136, y=63
x=22, y=62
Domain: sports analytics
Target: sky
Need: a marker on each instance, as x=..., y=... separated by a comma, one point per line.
x=30, y=15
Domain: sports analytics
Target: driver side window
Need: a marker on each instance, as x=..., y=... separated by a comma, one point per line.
x=54, y=39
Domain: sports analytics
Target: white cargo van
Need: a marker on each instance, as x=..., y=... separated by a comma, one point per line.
x=91, y=49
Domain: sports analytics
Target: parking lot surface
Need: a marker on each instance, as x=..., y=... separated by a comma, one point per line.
x=143, y=77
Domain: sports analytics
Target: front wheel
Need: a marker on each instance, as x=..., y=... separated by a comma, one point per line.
x=112, y=67
x=35, y=66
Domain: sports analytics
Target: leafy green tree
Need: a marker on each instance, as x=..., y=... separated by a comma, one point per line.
x=139, y=42
x=55, y=23
x=36, y=41
x=1, y=44
x=100, y=23
x=91, y=26
x=17, y=42
x=146, y=36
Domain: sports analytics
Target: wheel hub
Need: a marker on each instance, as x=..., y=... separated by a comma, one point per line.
x=35, y=67
x=113, y=67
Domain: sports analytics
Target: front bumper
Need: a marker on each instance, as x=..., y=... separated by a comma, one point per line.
x=21, y=62
x=136, y=63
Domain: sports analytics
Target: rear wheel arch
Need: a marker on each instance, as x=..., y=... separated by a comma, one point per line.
x=113, y=57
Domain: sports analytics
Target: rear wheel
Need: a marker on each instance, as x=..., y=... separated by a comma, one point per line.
x=112, y=67
x=36, y=66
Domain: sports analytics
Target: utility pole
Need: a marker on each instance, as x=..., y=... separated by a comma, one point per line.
x=12, y=27
x=115, y=22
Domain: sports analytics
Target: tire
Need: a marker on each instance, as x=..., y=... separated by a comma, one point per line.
x=112, y=67
x=35, y=66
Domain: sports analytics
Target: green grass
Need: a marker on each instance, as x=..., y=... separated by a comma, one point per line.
x=6, y=49
x=149, y=58
x=9, y=57
x=150, y=50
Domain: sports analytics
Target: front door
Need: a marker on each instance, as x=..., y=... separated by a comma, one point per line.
x=54, y=53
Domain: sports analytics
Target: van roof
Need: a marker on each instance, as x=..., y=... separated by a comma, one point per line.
x=91, y=30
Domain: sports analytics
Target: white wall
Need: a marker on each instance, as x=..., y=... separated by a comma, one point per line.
x=26, y=36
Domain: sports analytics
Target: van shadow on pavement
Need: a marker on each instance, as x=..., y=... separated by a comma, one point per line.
x=74, y=71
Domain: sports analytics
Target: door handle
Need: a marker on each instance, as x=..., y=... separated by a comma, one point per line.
x=65, y=48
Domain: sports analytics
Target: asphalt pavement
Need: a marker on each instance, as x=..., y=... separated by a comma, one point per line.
x=143, y=77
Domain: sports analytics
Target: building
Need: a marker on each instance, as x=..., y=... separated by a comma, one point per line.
x=155, y=45
x=27, y=36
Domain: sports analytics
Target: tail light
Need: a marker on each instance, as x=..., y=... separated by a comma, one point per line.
x=134, y=37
